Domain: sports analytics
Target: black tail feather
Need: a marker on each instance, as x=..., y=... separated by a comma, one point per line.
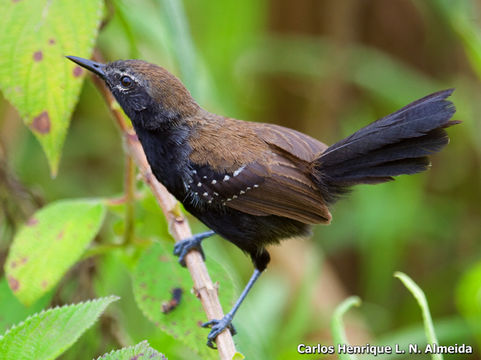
x=394, y=145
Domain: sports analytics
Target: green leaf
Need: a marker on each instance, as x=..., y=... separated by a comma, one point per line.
x=35, y=77
x=137, y=352
x=337, y=326
x=238, y=356
x=51, y=241
x=155, y=277
x=48, y=334
x=12, y=311
x=468, y=298
x=420, y=297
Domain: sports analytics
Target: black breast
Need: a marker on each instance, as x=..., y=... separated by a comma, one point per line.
x=167, y=152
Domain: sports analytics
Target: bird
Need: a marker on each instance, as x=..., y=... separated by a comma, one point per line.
x=257, y=184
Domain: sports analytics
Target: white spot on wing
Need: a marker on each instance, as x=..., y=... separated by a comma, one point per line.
x=239, y=170
x=227, y=177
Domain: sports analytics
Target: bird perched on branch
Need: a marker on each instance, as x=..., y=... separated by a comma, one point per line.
x=257, y=184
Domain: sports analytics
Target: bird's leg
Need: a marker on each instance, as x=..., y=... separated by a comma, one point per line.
x=183, y=247
x=217, y=326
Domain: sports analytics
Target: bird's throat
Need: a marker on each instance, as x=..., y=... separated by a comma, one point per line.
x=167, y=152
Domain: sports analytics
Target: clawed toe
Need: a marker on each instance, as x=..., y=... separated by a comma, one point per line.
x=183, y=247
x=217, y=326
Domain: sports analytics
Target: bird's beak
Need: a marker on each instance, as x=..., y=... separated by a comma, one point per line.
x=95, y=67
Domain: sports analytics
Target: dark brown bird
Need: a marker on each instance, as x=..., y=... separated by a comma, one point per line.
x=257, y=184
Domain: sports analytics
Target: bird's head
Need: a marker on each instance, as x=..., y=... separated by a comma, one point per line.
x=152, y=97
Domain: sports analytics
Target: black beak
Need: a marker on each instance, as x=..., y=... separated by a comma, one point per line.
x=95, y=67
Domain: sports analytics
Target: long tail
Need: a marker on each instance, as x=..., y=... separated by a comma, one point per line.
x=394, y=145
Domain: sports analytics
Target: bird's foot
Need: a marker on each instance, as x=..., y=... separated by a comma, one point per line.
x=217, y=326
x=183, y=247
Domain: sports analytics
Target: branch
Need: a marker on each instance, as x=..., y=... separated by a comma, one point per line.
x=178, y=226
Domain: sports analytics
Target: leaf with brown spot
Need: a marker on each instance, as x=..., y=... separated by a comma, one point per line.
x=41, y=123
x=77, y=71
x=35, y=77
x=32, y=222
x=37, y=56
x=75, y=222
x=12, y=311
x=13, y=283
x=153, y=284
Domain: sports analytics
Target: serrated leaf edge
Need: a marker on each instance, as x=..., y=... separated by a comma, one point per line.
x=143, y=342
x=111, y=299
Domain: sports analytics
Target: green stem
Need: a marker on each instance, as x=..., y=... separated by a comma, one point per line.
x=129, y=200
x=129, y=33
x=100, y=250
x=174, y=15
x=337, y=326
x=420, y=297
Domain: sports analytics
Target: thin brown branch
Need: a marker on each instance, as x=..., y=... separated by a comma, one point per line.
x=178, y=225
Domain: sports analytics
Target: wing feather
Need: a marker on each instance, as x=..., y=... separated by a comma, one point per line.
x=274, y=181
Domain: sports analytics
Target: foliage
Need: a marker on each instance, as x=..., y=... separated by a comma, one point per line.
x=51, y=241
x=337, y=327
x=423, y=304
x=139, y=351
x=469, y=298
x=306, y=65
x=49, y=333
x=34, y=77
x=157, y=274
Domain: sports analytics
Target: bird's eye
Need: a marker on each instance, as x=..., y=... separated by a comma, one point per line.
x=126, y=81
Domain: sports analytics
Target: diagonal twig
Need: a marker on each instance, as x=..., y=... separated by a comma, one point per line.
x=178, y=226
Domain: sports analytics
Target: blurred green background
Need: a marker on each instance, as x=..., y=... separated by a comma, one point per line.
x=325, y=68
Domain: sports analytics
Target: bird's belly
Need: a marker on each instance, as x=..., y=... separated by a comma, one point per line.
x=249, y=232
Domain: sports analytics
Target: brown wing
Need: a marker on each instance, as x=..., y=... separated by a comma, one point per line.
x=285, y=192
x=274, y=181
x=291, y=141
x=288, y=190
